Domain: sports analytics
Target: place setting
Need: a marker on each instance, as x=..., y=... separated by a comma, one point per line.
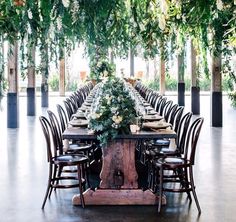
x=79, y=122
x=155, y=125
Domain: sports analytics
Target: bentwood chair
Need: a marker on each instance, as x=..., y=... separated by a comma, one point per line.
x=73, y=147
x=63, y=117
x=173, y=117
x=160, y=148
x=57, y=161
x=179, y=170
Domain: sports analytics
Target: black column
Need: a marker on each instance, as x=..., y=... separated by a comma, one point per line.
x=216, y=109
x=31, y=101
x=181, y=93
x=195, y=100
x=44, y=95
x=12, y=110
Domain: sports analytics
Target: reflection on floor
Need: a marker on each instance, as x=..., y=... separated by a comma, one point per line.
x=24, y=176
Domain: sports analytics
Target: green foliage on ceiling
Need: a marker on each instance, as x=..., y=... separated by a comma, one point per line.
x=146, y=26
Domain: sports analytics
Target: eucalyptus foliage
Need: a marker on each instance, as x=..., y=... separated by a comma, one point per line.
x=146, y=26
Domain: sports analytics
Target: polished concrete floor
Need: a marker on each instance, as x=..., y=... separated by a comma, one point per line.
x=24, y=176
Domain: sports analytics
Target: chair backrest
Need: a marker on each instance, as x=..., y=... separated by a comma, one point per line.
x=63, y=117
x=148, y=94
x=48, y=133
x=182, y=131
x=69, y=110
x=79, y=98
x=175, y=116
x=162, y=105
x=153, y=99
x=55, y=125
x=167, y=109
x=72, y=104
x=171, y=115
x=157, y=102
x=192, y=139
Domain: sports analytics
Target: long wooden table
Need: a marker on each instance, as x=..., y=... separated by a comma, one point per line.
x=118, y=155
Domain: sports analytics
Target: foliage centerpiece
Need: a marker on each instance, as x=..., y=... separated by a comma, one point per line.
x=113, y=110
x=102, y=69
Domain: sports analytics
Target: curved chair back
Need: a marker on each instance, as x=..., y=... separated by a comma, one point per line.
x=63, y=117
x=162, y=105
x=182, y=132
x=55, y=125
x=47, y=131
x=167, y=109
x=192, y=139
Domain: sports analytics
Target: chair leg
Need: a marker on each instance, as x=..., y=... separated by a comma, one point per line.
x=54, y=171
x=80, y=186
x=193, y=189
x=49, y=186
x=87, y=176
x=160, y=188
x=185, y=183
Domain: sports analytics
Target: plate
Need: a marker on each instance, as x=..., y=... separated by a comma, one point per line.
x=148, y=108
x=152, y=112
x=87, y=103
x=152, y=117
x=79, y=122
x=84, y=108
x=79, y=115
x=156, y=125
x=146, y=104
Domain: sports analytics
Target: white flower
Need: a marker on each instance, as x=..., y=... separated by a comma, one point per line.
x=40, y=17
x=164, y=7
x=108, y=97
x=235, y=2
x=114, y=109
x=95, y=115
x=117, y=119
x=59, y=23
x=51, y=32
x=114, y=126
x=219, y=4
x=66, y=3
x=162, y=22
x=105, y=73
x=178, y=16
x=119, y=99
x=29, y=30
x=30, y=15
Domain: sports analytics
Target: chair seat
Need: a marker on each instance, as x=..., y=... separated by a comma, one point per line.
x=70, y=159
x=172, y=162
x=161, y=142
x=78, y=147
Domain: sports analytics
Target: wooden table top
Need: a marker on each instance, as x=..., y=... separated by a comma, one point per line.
x=77, y=133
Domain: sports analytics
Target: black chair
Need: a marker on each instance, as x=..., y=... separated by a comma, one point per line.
x=69, y=109
x=63, y=117
x=160, y=148
x=180, y=169
x=167, y=109
x=57, y=161
x=78, y=147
